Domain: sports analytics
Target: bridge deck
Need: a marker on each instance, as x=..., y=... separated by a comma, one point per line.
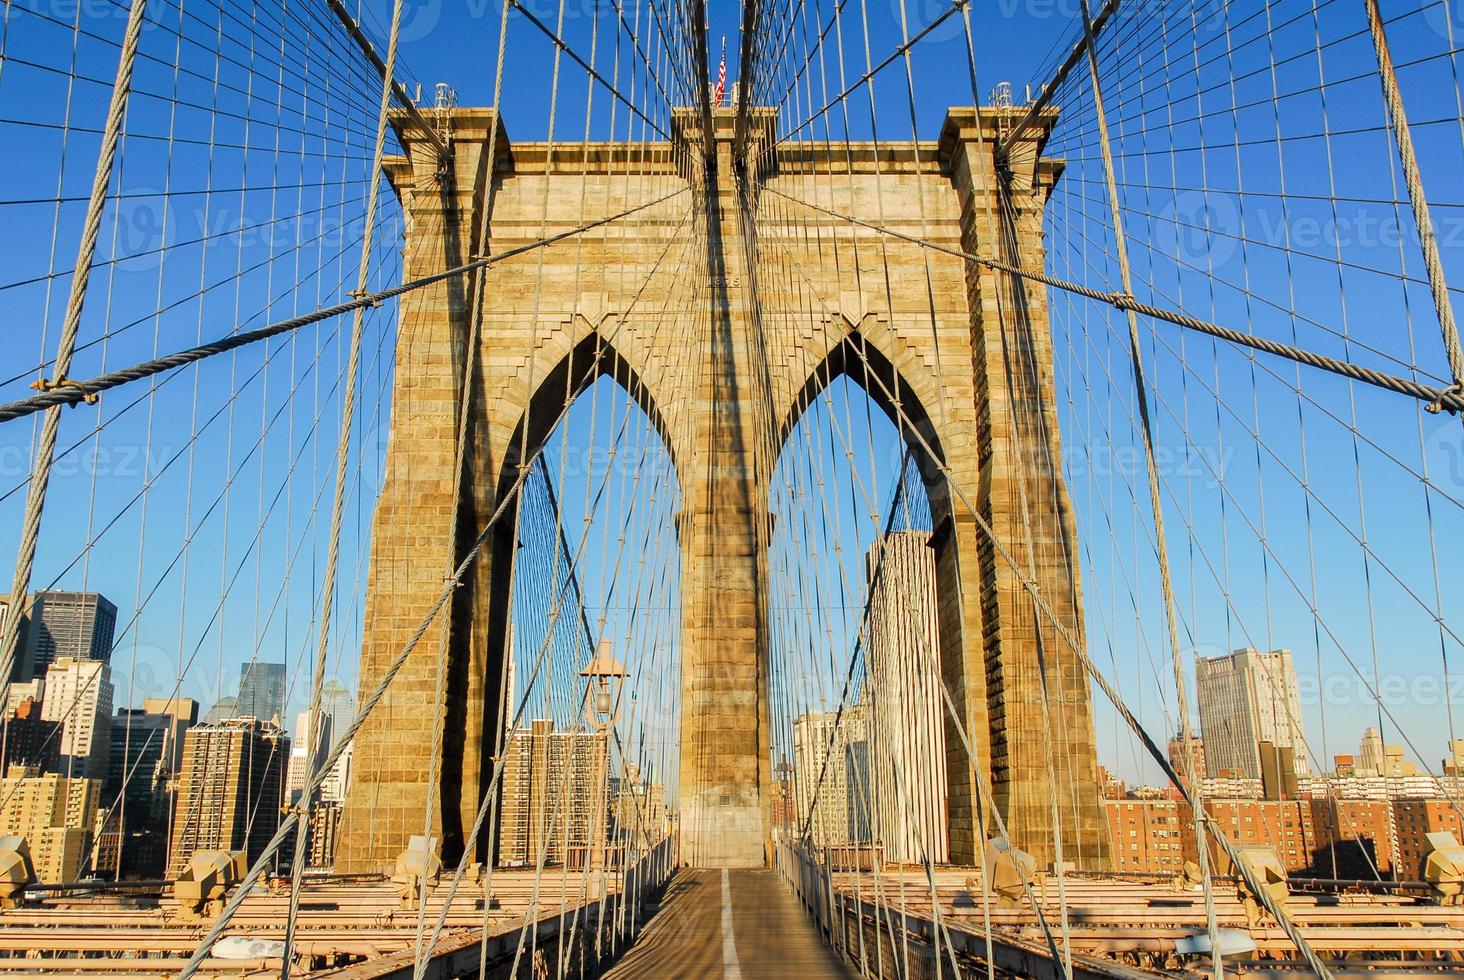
x=735, y=925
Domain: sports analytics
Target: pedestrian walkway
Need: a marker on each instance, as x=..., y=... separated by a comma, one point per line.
x=731, y=925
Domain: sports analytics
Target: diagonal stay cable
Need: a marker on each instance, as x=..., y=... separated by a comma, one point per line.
x=79, y=391
x=287, y=825
x=1446, y=399
x=1115, y=698
x=563, y=45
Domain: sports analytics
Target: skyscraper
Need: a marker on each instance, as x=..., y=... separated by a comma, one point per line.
x=261, y=692
x=79, y=625
x=1371, y=756
x=907, y=768
x=1245, y=698
x=821, y=774
x=30, y=740
x=307, y=737
x=146, y=753
x=1197, y=754
x=230, y=790
x=337, y=701
x=79, y=695
x=223, y=709
x=54, y=814
x=554, y=794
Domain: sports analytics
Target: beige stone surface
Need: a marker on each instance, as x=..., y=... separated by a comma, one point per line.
x=753, y=307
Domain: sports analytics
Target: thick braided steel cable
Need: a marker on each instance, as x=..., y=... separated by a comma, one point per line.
x=51, y=425
x=1312, y=494
x=1082, y=50
x=1428, y=240
x=837, y=24
x=395, y=90
x=1445, y=398
x=502, y=729
x=152, y=479
x=286, y=827
x=1156, y=506
x=178, y=303
x=824, y=756
x=1245, y=871
x=131, y=625
x=389, y=89
x=69, y=449
x=79, y=391
x=916, y=437
x=502, y=759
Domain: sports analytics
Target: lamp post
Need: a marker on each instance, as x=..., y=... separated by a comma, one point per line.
x=604, y=681
x=605, y=678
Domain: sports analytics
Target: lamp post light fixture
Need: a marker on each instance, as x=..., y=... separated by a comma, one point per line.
x=606, y=677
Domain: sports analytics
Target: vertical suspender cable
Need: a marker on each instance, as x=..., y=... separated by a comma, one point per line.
x=1437, y=283
x=1160, y=543
x=332, y=559
x=35, y=499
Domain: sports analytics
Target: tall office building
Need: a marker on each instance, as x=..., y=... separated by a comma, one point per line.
x=338, y=780
x=78, y=625
x=1372, y=755
x=1197, y=754
x=223, y=709
x=261, y=692
x=1246, y=698
x=230, y=790
x=137, y=795
x=906, y=767
x=54, y=814
x=30, y=740
x=9, y=607
x=337, y=701
x=306, y=739
x=555, y=798
x=638, y=810
x=79, y=695
x=821, y=775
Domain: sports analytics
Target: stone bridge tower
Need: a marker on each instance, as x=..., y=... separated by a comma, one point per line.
x=974, y=377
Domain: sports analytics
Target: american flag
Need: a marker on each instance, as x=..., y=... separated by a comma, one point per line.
x=721, y=75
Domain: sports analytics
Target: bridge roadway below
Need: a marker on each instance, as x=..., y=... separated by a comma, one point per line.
x=732, y=925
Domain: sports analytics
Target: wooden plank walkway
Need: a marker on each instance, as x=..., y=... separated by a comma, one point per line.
x=731, y=925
